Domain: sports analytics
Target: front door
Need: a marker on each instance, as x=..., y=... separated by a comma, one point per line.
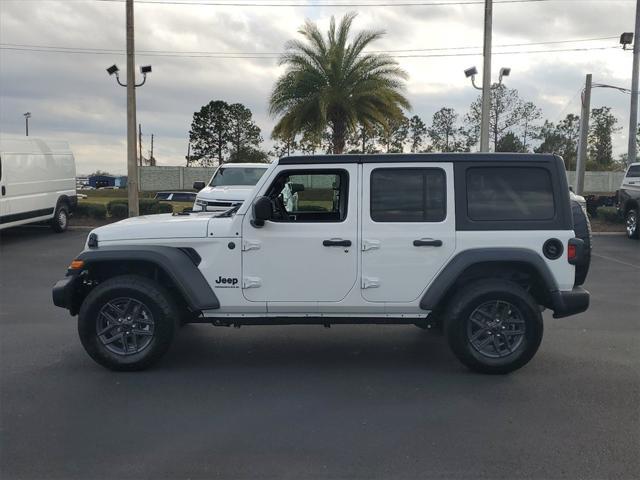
x=408, y=228
x=307, y=254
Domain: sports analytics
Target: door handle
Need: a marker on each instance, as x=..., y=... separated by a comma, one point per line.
x=336, y=242
x=4, y=190
x=427, y=242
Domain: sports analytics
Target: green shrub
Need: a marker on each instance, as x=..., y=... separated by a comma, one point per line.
x=119, y=210
x=119, y=201
x=165, y=207
x=91, y=210
x=148, y=206
x=610, y=215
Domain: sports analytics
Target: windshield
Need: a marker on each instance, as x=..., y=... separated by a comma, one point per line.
x=237, y=176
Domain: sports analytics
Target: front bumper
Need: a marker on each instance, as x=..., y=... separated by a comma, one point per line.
x=64, y=292
x=569, y=302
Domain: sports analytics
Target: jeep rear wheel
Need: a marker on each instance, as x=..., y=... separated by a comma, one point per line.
x=493, y=326
x=127, y=323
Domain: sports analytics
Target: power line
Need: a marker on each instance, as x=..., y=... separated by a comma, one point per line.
x=98, y=50
x=337, y=4
x=274, y=57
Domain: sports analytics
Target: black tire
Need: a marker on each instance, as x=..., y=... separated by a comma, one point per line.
x=631, y=223
x=160, y=310
x=476, y=295
x=582, y=229
x=60, y=220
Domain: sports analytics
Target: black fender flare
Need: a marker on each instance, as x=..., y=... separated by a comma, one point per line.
x=176, y=263
x=447, y=277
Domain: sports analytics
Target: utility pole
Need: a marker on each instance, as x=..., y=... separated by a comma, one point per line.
x=584, y=131
x=132, y=165
x=486, y=77
x=633, y=112
x=140, y=143
x=152, y=161
x=27, y=116
x=189, y=154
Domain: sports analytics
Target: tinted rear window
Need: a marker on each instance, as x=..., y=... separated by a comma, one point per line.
x=509, y=193
x=408, y=195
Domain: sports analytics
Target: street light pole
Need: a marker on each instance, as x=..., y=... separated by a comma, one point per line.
x=633, y=112
x=132, y=165
x=27, y=116
x=486, y=77
x=584, y=131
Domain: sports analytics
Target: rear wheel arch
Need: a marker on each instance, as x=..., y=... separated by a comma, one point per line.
x=522, y=267
x=631, y=204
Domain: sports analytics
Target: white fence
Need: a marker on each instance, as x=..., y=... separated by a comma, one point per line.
x=598, y=182
x=173, y=178
x=182, y=178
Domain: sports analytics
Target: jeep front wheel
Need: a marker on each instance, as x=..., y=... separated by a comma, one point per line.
x=493, y=326
x=127, y=323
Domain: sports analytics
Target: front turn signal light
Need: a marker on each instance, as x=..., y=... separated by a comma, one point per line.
x=76, y=265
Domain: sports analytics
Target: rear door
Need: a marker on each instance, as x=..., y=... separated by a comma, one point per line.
x=408, y=228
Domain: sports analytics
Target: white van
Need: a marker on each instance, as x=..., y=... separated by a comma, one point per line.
x=38, y=182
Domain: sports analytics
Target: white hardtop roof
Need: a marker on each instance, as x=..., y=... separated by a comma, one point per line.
x=34, y=146
x=241, y=165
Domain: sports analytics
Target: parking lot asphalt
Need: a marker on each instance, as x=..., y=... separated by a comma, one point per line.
x=365, y=402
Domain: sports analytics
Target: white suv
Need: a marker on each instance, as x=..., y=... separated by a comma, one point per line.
x=474, y=244
x=229, y=186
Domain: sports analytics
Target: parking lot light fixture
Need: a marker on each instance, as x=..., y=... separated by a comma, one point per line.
x=626, y=39
x=504, y=72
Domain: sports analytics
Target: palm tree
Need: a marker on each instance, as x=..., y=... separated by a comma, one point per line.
x=332, y=83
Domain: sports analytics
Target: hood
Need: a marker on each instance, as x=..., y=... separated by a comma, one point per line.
x=229, y=192
x=163, y=225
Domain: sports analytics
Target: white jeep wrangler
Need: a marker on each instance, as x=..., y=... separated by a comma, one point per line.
x=474, y=244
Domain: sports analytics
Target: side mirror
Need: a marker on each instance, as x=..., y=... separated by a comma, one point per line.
x=198, y=185
x=261, y=211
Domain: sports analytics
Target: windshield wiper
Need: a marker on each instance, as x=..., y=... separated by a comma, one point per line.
x=230, y=212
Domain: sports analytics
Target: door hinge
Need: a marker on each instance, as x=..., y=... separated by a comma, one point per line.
x=251, y=282
x=370, y=282
x=370, y=245
x=251, y=245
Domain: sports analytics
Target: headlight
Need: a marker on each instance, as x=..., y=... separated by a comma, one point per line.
x=202, y=203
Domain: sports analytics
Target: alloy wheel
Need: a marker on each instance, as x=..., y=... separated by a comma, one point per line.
x=496, y=328
x=125, y=326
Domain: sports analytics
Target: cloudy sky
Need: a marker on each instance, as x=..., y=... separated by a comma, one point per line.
x=45, y=68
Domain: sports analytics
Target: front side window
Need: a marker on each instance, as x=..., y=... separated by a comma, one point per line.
x=634, y=171
x=509, y=193
x=408, y=195
x=226, y=176
x=310, y=196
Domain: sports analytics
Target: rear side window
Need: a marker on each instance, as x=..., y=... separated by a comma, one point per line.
x=634, y=171
x=509, y=193
x=408, y=195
